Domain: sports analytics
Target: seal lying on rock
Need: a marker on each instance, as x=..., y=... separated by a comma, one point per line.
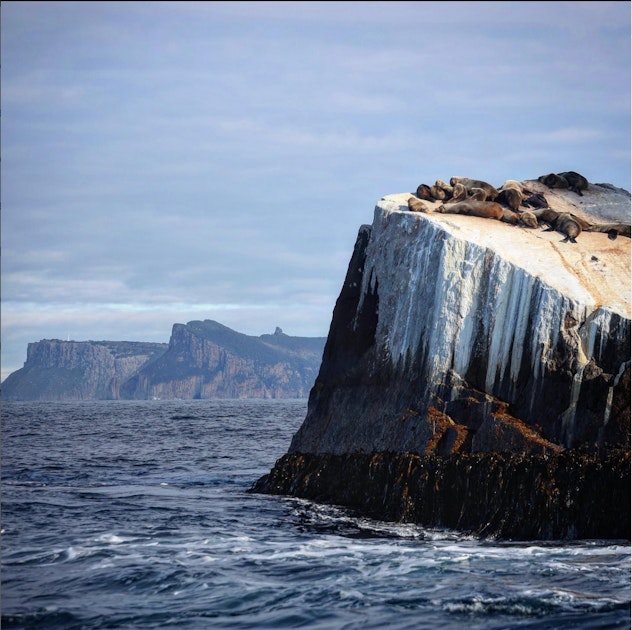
x=492, y=192
x=611, y=229
x=477, y=194
x=423, y=192
x=568, y=179
x=536, y=200
x=459, y=193
x=416, y=205
x=529, y=219
x=576, y=182
x=563, y=222
x=547, y=215
x=566, y=223
x=553, y=181
x=439, y=191
x=511, y=194
x=509, y=216
x=485, y=209
x=550, y=216
x=445, y=187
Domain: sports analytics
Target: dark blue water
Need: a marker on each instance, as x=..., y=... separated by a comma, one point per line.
x=136, y=515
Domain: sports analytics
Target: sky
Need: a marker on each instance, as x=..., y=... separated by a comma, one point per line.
x=164, y=162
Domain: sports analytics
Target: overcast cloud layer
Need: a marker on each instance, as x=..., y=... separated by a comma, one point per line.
x=170, y=161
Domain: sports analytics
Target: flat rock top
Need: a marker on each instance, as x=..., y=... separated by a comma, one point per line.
x=595, y=270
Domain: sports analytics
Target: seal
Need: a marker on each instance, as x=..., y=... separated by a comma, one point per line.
x=611, y=229
x=537, y=200
x=509, y=216
x=576, y=182
x=423, y=192
x=459, y=193
x=445, y=187
x=484, y=209
x=416, y=205
x=513, y=183
x=550, y=216
x=438, y=193
x=553, y=181
x=567, y=224
x=546, y=215
x=568, y=179
x=477, y=194
x=511, y=194
x=492, y=192
x=528, y=219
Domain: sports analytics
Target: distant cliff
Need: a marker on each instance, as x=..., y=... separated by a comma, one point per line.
x=202, y=360
x=78, y=370
x=208, y=360
x=476, y=376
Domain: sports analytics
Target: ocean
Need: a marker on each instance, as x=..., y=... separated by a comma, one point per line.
x=136, y=514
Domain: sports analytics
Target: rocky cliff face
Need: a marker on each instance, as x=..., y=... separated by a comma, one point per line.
x=78, y=370
x=456, y=336
x=202, y=360
x=208, y=360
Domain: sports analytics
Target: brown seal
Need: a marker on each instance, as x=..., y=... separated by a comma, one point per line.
x=459, y=193
x=492, y=192
x=611, y=229
x=416, y=205
x=509, y=216
x=511, y=194
x=547, y=215
x=477, y=194
x=528, y=219
x=423, y=192
x=438, y=193
x=536, y=200
x=563, y=222
x=445, y=187
x=430, y=193
x=576, y=182
x=485, y=209
x=553, y=181
x=566, y=223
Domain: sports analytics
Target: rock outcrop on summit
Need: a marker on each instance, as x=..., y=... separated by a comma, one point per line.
x=476, y=375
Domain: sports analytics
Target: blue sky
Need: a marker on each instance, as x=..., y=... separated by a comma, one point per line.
x=170, y=161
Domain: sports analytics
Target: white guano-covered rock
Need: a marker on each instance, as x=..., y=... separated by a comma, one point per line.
x=462, y=328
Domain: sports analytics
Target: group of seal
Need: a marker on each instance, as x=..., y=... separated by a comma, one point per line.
x=569, y=179
x=476, y=197
x=572, y=226
x=513, y=203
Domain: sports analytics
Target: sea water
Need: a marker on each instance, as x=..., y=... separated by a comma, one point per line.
x=137, y=515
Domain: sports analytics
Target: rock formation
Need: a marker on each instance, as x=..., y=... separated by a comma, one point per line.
x=208, y=360
x=78, y=370
x=477, y=376
x=202, y=360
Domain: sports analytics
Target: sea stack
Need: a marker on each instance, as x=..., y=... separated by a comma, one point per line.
x=476, y=376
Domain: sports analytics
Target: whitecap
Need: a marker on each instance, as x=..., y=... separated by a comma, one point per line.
x=112, y=539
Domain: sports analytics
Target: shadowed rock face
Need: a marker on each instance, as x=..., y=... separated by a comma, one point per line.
x=476, y=353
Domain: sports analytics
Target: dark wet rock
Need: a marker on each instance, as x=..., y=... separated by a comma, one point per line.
x=522, y=497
